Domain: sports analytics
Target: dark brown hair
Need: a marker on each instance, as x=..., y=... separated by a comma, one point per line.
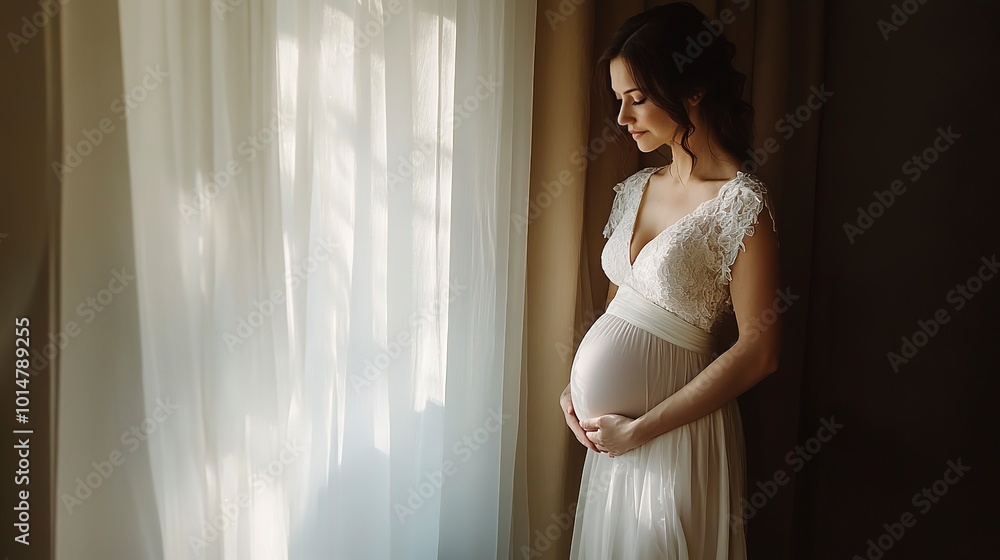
x=665, y=51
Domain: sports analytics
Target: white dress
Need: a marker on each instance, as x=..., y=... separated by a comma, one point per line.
x=678, y=495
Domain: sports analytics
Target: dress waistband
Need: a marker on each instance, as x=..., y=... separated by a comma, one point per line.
x=636, y=309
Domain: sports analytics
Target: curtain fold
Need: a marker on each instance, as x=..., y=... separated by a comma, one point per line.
x=330, y=288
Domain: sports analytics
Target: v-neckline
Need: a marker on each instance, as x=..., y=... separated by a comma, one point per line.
x=635, y=216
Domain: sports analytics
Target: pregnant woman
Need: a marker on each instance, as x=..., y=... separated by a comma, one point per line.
x=691, y=247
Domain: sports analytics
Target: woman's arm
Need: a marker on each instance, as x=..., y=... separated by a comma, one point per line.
x=754, y=288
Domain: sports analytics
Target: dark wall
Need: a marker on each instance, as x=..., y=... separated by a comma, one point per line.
x=904, y=423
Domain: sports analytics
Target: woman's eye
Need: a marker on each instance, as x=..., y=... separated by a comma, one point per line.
x=638, y=102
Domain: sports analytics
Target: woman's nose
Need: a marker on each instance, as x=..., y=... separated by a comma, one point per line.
x=623, y=116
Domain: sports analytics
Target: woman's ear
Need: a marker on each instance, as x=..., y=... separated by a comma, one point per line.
x=696, y=97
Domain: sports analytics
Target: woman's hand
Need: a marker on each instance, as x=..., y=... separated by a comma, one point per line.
x=566, y=403
x=613, y=433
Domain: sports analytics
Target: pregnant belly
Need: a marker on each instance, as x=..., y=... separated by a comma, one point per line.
x=608, y=375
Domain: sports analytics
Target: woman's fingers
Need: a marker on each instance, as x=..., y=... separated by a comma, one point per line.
x=600, y=447
x=581, y=435
x=592, y=437
x=584, y=443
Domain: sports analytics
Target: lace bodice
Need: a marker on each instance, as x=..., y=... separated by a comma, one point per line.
x=685, y=269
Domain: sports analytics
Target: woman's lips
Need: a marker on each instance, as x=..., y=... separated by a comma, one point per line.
x=638, y=133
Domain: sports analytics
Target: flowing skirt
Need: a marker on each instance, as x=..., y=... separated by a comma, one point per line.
x=678, y=495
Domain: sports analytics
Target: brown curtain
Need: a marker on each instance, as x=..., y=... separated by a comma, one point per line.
x=780, y=50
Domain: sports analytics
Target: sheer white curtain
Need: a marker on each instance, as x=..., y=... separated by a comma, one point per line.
x=330, y=286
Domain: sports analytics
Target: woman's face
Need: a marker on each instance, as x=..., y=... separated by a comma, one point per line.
x=654, y=125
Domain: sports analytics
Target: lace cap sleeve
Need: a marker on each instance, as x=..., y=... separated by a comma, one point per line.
x=742, y=205
x=617, y=209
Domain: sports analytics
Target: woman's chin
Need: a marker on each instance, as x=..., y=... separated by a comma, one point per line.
x=645, y=145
